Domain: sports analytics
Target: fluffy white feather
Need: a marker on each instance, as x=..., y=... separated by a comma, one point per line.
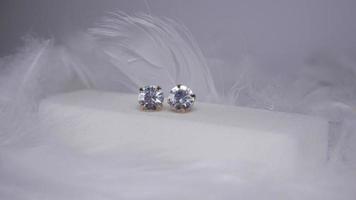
x=150, y=50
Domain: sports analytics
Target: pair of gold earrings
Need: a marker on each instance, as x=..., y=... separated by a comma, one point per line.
x=151, y=97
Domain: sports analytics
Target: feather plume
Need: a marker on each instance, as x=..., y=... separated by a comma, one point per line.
x=150, y=50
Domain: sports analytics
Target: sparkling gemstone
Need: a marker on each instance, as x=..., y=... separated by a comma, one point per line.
x=181, y=98
x=151, y=97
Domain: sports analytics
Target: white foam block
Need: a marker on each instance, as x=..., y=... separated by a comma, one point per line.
x=102, y=122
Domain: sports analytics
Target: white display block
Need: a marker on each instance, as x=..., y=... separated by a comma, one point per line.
x=103, y=122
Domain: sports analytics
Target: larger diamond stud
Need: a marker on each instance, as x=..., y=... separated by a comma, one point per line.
x=181, y=98
x=150, y=98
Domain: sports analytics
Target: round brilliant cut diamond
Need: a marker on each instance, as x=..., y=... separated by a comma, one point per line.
x=150, y=98
x=181, y=98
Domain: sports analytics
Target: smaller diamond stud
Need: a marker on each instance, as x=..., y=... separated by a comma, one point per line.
x=150, y=98
x=181, y=98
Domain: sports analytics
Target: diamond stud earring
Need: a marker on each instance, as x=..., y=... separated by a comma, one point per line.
x=150, y=98
x=181, y=98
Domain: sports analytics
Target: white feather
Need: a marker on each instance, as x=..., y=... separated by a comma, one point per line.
x=150, y=50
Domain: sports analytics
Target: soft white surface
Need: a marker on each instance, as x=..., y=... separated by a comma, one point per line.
x=99, y=122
